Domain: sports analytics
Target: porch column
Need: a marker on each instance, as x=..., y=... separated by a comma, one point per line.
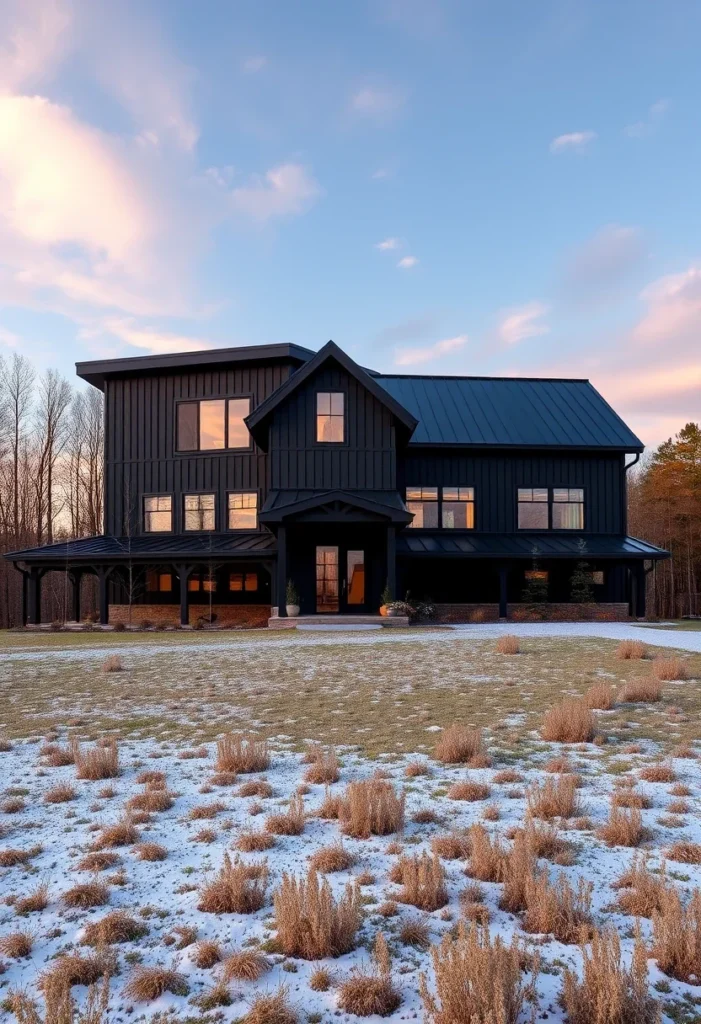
x=392, y=561
x=103, y=577
x=75, y=578
x=503, y=603
x=183, y=572
x=25, y=581
x=637, y=602
x=34, y=596
x=282, y=572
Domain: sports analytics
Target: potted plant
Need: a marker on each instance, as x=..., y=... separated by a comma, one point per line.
x=385, y=599
x=399, y=608
x=291, y=600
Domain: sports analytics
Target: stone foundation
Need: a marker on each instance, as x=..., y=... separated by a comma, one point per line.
x=548, y=612
x=467, y=613
x=240, y=616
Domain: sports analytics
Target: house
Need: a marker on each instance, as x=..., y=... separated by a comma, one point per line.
x=229, y=472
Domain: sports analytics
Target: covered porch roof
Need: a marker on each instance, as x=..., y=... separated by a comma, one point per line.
x=525, y=545
x=148, y=548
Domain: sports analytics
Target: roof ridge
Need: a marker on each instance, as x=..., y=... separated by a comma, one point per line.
x=460, y=376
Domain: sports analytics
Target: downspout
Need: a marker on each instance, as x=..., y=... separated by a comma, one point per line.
x=624, y=501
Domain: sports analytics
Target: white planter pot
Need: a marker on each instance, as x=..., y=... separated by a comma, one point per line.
x=292, y=610
x=391, y=612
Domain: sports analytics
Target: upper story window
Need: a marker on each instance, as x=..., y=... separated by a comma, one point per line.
x=243, y=510
x=422, y=502
x=539, y=510
x=568, y=508
x=458, y=508
x=212, y=424
x=158, y=513
x=330, y=417
x=199, y=512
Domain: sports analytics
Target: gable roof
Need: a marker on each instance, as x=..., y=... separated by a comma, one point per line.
x=259, y=417
x=510, y=412
x=284, y=504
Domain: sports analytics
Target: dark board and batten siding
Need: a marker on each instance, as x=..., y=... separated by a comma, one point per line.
x=140, y=456
x=496, y=477
x=365, y=461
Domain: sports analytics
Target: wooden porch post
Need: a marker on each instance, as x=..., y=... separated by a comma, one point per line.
x=392, y=561
x=34, y=601
x=183, y=572
x=75, y=578
x=103, y=577
x=25, y=582
x=282, y=572
x=503, y=592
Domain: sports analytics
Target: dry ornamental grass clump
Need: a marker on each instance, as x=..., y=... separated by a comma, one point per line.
x=153, y=800
x=415, y=932
x=660, y=772
x=508, y=644
x=555, y=798
x=571, y=721
x=670, y=669
x=685, y=853
x=371, y=808
x=640, y=893
x=677, y=937
x=242, y=754
x=487, y=856
x=477, y=980
x=470, y=791
x=271, y=1009
x=150, y=851
x=600, y=697
x=631, y=650
x=58, y=756
x=453, y=846
x=86, y=894
x=623, y=828
x=423, y=882
x=289, y=824
x=99, y=762
x=206, y=954
x=59, y=794
x=631, y=798
x=121, y=833
x=416, y=768
x=234, y=890
x=519, y=869
x=369, y=992
x=16, y=945
x=148, y=983
x=310, y=923
x=323, y=766
x=245, y=965
x=507, y=776
x=641, y=691
x=113, y=663
x=35, y=901
x=459, y=745
x=256, y=787
x=320, y=980
x=608, y=992
x=557, y=908
x=116, y=927
x=332, y=858
x=205, y=812
x=97, y=861
x=255, y=842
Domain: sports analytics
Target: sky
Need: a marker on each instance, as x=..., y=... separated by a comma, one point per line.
x=440, y=186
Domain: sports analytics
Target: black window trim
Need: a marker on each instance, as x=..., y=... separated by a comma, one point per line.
x=551, y=488
x=157, y=494
x=189, y=453
x=242, y=490
x=439, y=506
x=194, y=493
x=332, y=391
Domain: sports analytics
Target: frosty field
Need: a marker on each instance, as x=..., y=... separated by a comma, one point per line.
x=382, y=702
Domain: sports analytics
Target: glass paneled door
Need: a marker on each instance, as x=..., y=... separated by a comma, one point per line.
x=327, y=579
x=340, y=580
x=354, y=583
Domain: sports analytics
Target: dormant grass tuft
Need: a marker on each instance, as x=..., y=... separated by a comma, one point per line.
x=320, y=980
x=477, y=980
x=640, y=893
x=234, y=889
x=59, y=794
x=97, y=861
x=508, y=644
x=452, y=846
x=415, y=932
x=206, y=953
x=554, y=798
x=659, y=772
x=423, y=882
x=117, y=926
x=571, y=721
x=311, y=924
x=154, y=801
x=600, y=697
x=460, y=745
x=242, y=754
x=34, y=901
x=669, y=669
x=150, y=851
x=371, y=992
x=623, y=828
x=323, y=766
x=120, y=833
x=487, y=856
x=677, y=937
x=608, y=992
x=641, y=691
x=256, y=787
x=113, y=663
x=557, y=908
x=371, y=808
x=685, y=852
x=86, y=894
x=271, y=1009
x=291, y=823
x=631, y=650
x=148, y=983
x=255, y=842
x=17, y=945
x=416, y=768
x=99, y=762
x=631, y=798
x=245, y=965
x=470, y=791
x=332, y=858
x=73, y=969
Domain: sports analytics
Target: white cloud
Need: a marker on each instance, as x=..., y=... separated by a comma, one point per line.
x=655, y=113
x=673, y=317
x=522, y=322
x=388, y=243
x=9, y=338
x=252, y=65
x=34, y=38
x=575, y=141
x=284, y=190
x=380, y=174
x=598, y=267
x=415, y=356
x=376, y=101
x=151, y=339
x=407, y=262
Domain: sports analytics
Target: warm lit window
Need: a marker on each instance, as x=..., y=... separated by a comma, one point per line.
x=568, y=508
x=330, y=416
x=597, y=578
x=206, y=583
x=533, y=508
x=158, y=582
x=158, y=513
x=240, y=581
x=458, y=508
x=243, y=510
x=199, y=512
x=212, y=424
x=422, y=502
x=536, y=574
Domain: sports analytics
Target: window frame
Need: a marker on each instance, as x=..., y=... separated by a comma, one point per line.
x=439, y=501
x=243, y=529
x=183, y=510
x=330, y=391
x=188, y=453
x=157, y=494
x=244, y=574
x=550, y=503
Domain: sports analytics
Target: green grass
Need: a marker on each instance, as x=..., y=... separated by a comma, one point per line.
x=683, y=624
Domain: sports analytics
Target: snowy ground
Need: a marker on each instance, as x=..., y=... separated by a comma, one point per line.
x=165, y=894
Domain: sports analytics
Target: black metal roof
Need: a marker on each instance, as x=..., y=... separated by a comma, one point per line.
x=530, y=545
x=151, y=546
x=283, y=503
x=95, y=371
x=510, y=412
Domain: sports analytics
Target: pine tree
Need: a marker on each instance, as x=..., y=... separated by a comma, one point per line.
x=581, y=588
x=536, y=588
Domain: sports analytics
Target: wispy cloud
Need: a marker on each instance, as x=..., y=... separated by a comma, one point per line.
x=283, y=191
x=416, y=356
x=598, y=268
x=407, y=262
x=523, y=322
x=639, y=129
x=150, y=339
x=252, y=65
x=387, y=243
x=376, y=101
x=575, y=142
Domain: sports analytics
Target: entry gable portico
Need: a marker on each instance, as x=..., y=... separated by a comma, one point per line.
x=287, y=506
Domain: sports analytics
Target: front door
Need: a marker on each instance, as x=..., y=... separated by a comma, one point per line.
x=340, y=580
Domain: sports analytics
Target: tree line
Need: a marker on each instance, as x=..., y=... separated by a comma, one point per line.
x=51, y=489
x=51, y=465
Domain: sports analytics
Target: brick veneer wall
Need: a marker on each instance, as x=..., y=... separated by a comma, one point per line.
x=248, y=615
x=548, y=612
x=467, y=612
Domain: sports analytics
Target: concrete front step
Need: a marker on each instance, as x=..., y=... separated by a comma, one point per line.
x=337, y=620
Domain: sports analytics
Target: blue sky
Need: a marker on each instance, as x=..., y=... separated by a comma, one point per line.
x=440, y=187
